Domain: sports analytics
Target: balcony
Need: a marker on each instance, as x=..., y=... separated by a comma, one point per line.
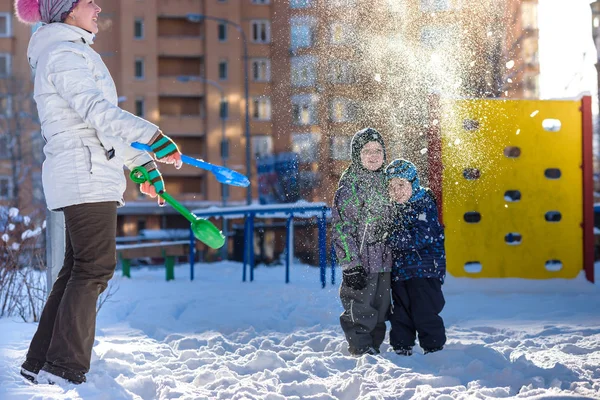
x=179, y=7
x=193, y=146
x=169, y=85
x=188, y=188
x=264, y=127
x=182, y=125
x=186, y=46
x=181, y=66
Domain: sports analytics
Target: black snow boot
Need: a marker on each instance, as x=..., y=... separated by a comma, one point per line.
x=404, y=351
x=73, y=377
x=365, y=350
x=30, y=369
x=432, y=350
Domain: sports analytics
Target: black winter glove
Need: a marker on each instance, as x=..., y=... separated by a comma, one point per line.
x=355, y=278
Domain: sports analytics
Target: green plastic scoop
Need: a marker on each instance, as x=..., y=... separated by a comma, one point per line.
x=205, y=231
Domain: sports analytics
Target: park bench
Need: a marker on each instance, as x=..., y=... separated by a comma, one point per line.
x=167, y=250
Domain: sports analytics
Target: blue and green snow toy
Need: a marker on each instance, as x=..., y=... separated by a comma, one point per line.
x=224, y=175
x=204, y=230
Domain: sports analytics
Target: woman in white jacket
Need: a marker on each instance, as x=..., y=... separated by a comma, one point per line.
x=88, y=141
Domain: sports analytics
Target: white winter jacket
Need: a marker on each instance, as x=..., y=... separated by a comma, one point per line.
x=77, y=104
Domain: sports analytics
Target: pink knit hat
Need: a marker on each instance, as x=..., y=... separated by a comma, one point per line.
x=47, y=11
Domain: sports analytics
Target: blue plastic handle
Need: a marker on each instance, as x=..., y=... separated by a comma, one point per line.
x=223, y=175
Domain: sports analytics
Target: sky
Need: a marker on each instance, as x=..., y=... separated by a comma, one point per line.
x=566, y=49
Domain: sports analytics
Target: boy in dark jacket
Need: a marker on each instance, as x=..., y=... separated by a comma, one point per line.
x=419, y=263
x=359, y=209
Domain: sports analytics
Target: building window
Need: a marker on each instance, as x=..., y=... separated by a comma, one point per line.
x=261, y=31
x=261, y=70
x=304, y=109
x=261, y=1
x=261, y=108
x=223, y=70
x=341, y=72
x=302, y=3
x=530, y=51
x=531, y=87
x=340, y=33
x=224, y=109
x=302, y=32
x=5, y=187
x=140, y=107
x=340, y=148
x=5, y=65
x=262, y=145
x=529, y=15
x=5, y=25
x=4, y=150
x=306, y=145
x=5, y=106
x=222, y=31
x=141, y=225
x=138, y=28
x=343, y=110
x=304, y=70
x=139, y=68
x=301, y=36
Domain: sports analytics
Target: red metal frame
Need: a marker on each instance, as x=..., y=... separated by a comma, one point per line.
x=588, y=188
x=434, y=152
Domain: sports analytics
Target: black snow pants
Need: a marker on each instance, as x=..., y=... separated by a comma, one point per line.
x=416, y=305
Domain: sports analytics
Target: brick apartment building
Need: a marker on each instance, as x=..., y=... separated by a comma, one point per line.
x=595, y=6
x=521, y=46
x=20, y=142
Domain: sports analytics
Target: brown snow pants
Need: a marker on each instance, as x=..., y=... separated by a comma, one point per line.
x=65, y=335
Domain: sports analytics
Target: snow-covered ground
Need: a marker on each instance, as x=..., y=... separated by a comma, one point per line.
x=219, y=338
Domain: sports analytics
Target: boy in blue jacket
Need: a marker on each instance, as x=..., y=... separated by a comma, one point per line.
x=419, y=263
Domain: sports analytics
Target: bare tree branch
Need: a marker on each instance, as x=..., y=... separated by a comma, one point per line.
x=106, y=295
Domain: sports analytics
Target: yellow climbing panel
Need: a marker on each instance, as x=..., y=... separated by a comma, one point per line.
x=515, y=167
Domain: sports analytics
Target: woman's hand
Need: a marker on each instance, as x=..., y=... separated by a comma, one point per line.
x=155, y=185
x=174, y=159
x=147, y=189
x=165, y=150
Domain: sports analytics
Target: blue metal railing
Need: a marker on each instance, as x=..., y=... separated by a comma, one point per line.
x=320, y=211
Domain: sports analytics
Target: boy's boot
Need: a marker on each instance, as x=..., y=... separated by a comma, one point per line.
x=432, y=350
x=366, y=350
x=404, y=351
